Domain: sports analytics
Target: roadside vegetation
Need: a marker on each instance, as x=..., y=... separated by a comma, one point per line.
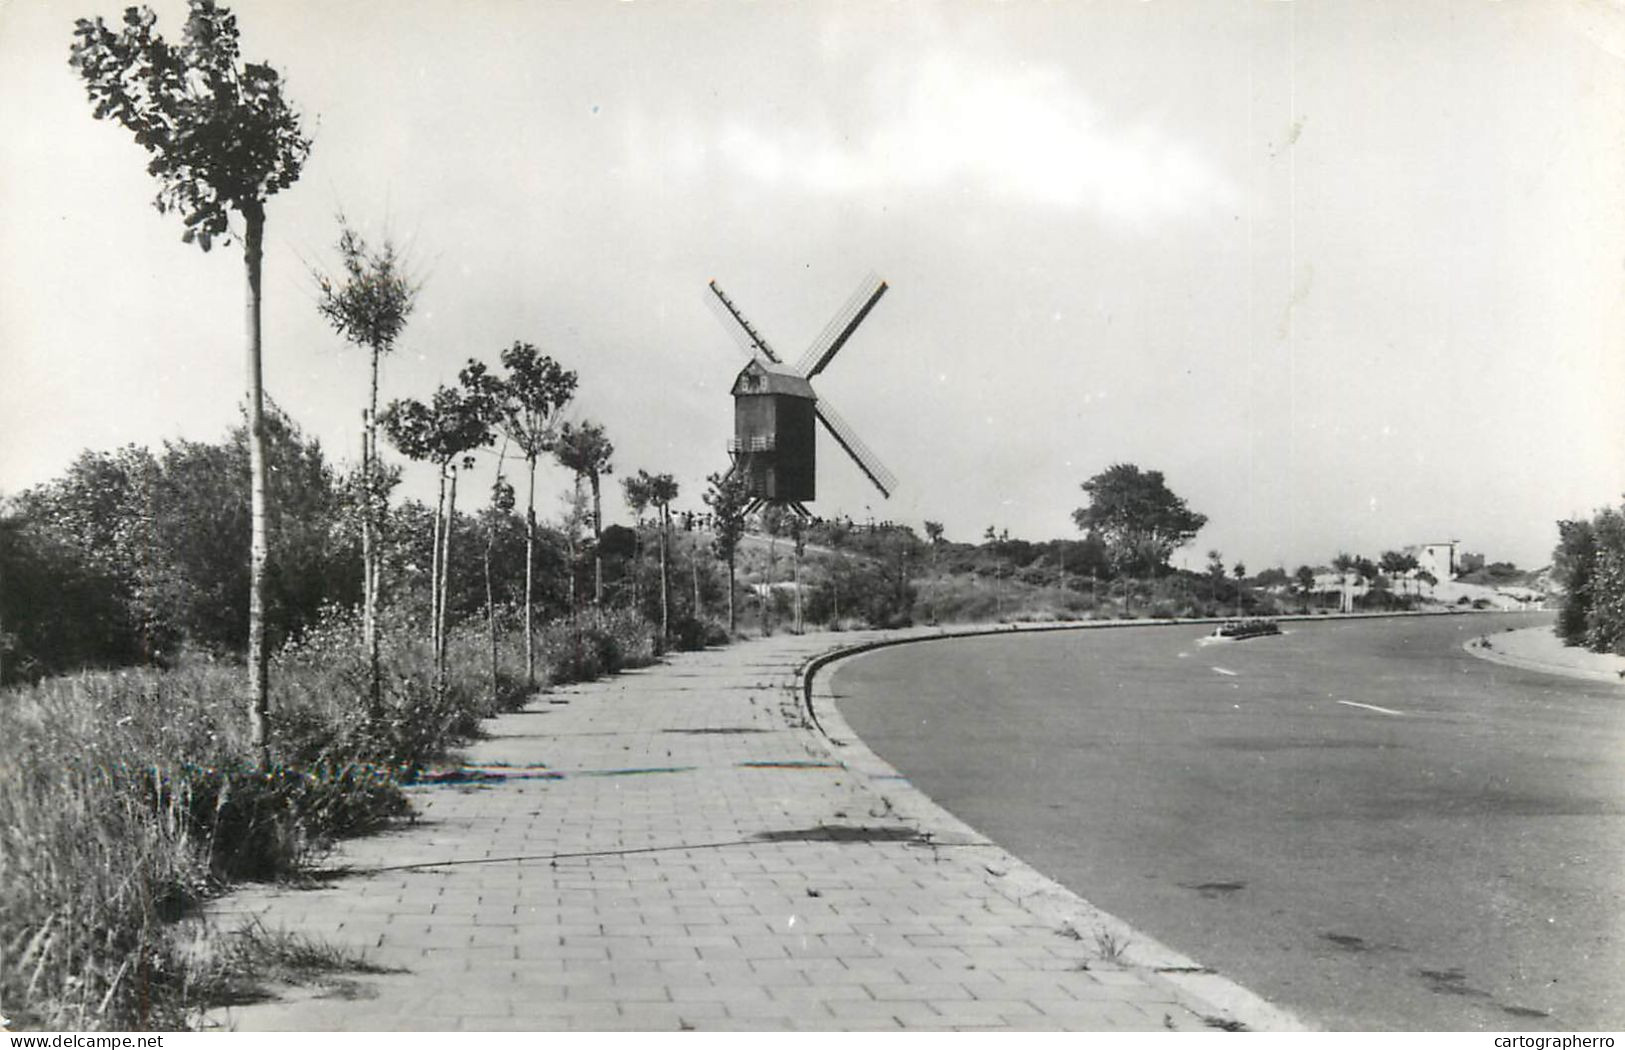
x=1589, y=563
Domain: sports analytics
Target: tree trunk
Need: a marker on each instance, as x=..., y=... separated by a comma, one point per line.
x=259, y=706
x=694, y=570
x=490, y=608
x=570, y=545
x=732, y=622
x=665, y=611
x=637, y=566
x=530, y=574
x=369, y=624
x=370, y=559
x=767, y=592
x=797, y=576
x=597, y=545
x=434, y=570
x=445, y=573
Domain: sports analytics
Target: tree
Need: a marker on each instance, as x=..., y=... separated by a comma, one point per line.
x=1343, y=565
x=1305, y=577
x=728, y=497
x=644, y=490
x=1215, y=574
x=443, y=432
x=663, y=490
x=933, y=533
x=798, y=542
x=585, y=451
x=497, y=512
x=1240, y=573
x=222, y=139
x=1395, y=564
x=635, y=491
x=527, y=404
x=369, y=307
x=774, y=521
x=1141, y=522
x=573, y=522
x=1589, y=562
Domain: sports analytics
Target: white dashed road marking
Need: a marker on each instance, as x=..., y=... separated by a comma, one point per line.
x=1371, y=707
x=1226, y=670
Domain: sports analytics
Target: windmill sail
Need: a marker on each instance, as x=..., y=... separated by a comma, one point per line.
x=841, y=327
x=842, y=432
x=748, y=338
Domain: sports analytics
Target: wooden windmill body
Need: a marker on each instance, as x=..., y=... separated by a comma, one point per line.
x=775, y=406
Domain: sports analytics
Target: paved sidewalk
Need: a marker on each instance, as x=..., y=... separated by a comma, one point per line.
x=679, y=847
x=1539, y=649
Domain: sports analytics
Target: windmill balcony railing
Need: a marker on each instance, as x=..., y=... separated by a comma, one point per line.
x=759, y=443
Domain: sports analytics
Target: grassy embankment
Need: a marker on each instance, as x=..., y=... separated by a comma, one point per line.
x=127, y=797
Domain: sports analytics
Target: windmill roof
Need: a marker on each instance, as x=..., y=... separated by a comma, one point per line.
x=772, y=378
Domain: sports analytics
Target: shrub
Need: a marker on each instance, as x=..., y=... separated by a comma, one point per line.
x=688, y=633
x=595, y=643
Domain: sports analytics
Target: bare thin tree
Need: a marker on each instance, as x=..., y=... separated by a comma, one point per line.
x=368, y=305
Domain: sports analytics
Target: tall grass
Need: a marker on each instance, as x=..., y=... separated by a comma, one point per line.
x=127, y=797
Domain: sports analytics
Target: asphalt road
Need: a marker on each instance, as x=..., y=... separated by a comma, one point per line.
x=1450, y=855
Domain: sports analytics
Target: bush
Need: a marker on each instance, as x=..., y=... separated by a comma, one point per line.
x=596, y=643
x=689, y=633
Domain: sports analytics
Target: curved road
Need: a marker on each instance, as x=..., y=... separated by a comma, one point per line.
x=1356, y=819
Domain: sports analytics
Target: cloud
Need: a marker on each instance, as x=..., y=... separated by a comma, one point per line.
x=1025, y=135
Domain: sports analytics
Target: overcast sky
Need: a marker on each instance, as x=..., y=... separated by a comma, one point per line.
x=1349, y=274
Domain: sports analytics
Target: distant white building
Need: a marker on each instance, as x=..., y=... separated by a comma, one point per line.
x=1438, y=559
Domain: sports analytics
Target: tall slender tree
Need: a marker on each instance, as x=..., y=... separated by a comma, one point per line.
x=772, y=520
x=585, y=451
x=635, y=490
x=645, y=490
x=1305, y=579
x=368, y=305
x=933, y=533
x=445, y=432
x=221, y=139
x=798, y=542
x=663, y=491
x=498, y=512
x=727, y=497
x=527, y=404
x=1215, y=575
x=1344, y=564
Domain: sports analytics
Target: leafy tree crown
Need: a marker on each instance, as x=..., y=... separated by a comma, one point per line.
x=1140, y=520
x=584, y=449
x=535, y=389
x=370, y=304
x=221, y=135
x=727, y=497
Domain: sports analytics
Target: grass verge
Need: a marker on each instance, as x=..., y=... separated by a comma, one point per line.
x=128, y=797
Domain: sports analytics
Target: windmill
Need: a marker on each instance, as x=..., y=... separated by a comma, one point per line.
x=774, y=407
